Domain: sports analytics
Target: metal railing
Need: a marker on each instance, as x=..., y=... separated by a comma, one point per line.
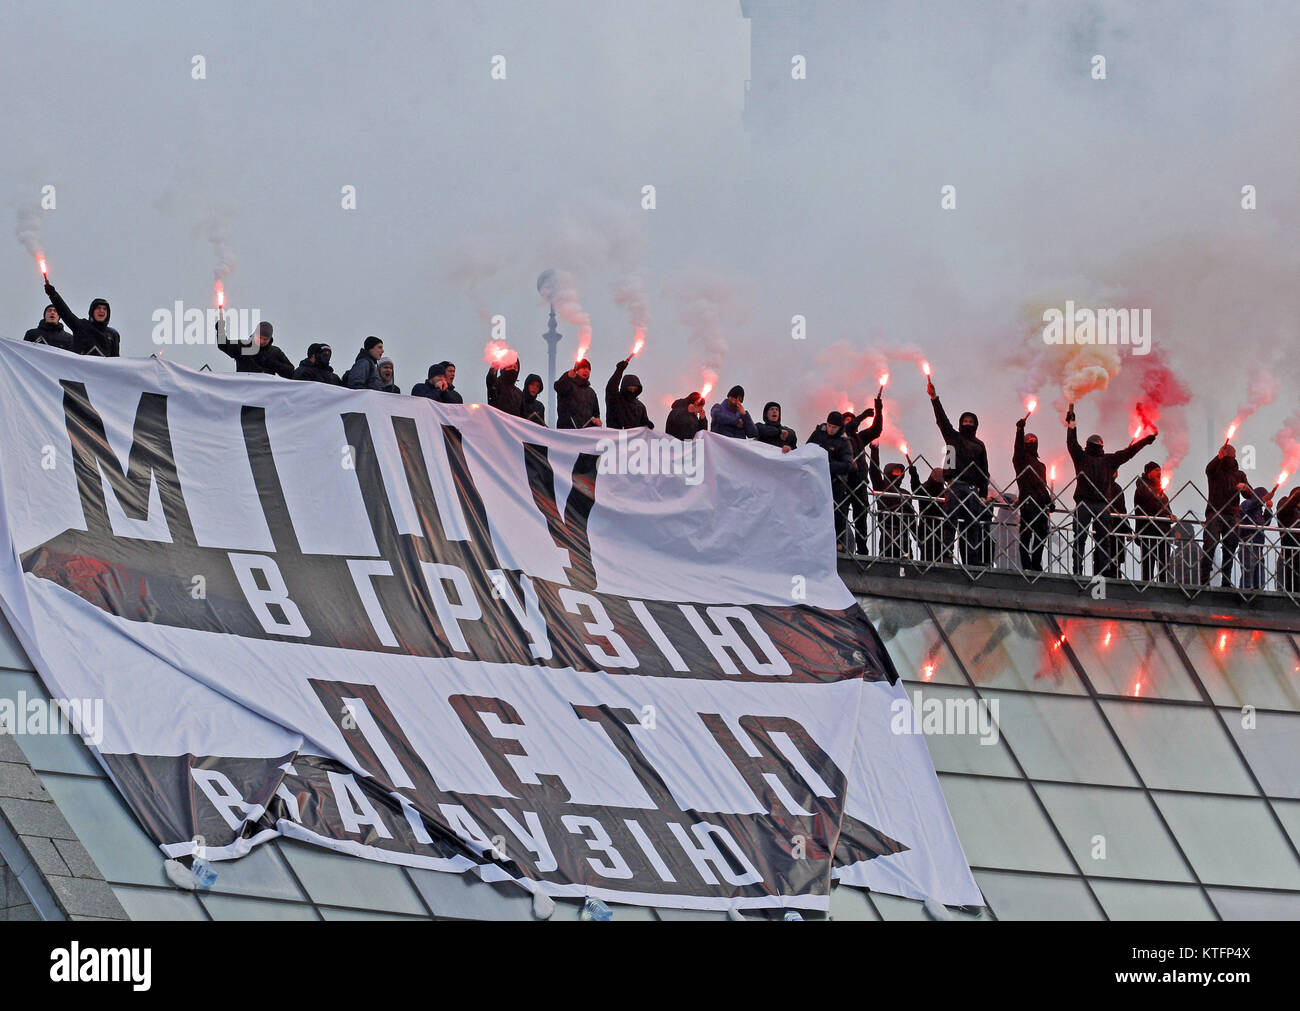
x=895, y=527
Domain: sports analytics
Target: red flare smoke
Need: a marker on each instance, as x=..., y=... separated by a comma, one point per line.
x=499, y=354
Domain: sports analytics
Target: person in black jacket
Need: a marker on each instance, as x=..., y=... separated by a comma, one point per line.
x=436, y=387
x=772, y=432
x=50, y=331
x=364, y=374
x=934, y=530
x=623, y=407
x=1095, y=483
x=1288, y=542
x=1033, y=499
x=895, y=513
x=966, y=467
x=1222, y=512
x=315, y=368
x=531, y=407
x=450, y=395
x=859, y=479
x=686, y=418
x=577, y=405
x=267, y=359
x=1155, y=523
x=92, y=335
x=830, y=437
x=502, y=389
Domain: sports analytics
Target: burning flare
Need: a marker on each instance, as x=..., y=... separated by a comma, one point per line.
x=902, y=448
x=640, y=343
x=925, y=367
x=44, y=272
x=1031, y=405
x=499, y=354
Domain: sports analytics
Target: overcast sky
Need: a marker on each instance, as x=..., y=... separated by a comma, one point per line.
x=1125, y=191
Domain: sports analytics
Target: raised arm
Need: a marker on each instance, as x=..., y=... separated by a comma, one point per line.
x=877, y=425
x=611, y=387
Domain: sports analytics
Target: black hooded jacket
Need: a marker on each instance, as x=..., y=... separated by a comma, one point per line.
x=268, y=360
x=1224, y=496
x=450, y=395
x=837, y=448
x=364, y=374
x=502, y=392
x=316, y=373
x=775, y=434
x=531, y=408
x=623, y=407
x=860, y=438
x=52, y=334
x=1031, y=472
x=1096, y=472
x=88, y=337
x=576, y=402
x=970, y=457
x=681, y=423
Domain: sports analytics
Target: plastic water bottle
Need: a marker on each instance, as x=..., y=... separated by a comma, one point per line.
x=594, y=909
x=204, y=874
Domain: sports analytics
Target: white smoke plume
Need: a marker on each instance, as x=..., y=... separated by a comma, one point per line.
x=711, y=307
x=28, y=230
x=560, y=289
x=1260, y=392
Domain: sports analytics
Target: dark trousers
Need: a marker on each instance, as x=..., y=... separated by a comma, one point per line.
x=969, y=515
x=1035, y=522
x=843, y=502
x=1094, y=518
x=934, y=535
x=1153, y=547
x=1252, y=559
x=1220, y=529
x=895, y=533
x=860, y=496
x=1288, y=563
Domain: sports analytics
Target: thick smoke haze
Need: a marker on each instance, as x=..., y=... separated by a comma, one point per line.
x=773, y=197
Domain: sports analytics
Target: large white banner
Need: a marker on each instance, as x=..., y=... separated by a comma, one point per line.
x=604, y=665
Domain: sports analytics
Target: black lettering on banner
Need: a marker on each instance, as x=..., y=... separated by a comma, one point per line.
x=495, y=749
x=151, y=459
x=270, y=492
x=770, y=764
x=569, y=532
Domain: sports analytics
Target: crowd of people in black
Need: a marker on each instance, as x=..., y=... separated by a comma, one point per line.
x=945, y=516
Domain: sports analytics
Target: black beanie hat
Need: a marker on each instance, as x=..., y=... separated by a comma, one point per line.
x=370, y=342
x=313, y=350
x=1149, y=466
x=265, y=329
x=835, y=418
x=737, y=391
x=437, y=370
